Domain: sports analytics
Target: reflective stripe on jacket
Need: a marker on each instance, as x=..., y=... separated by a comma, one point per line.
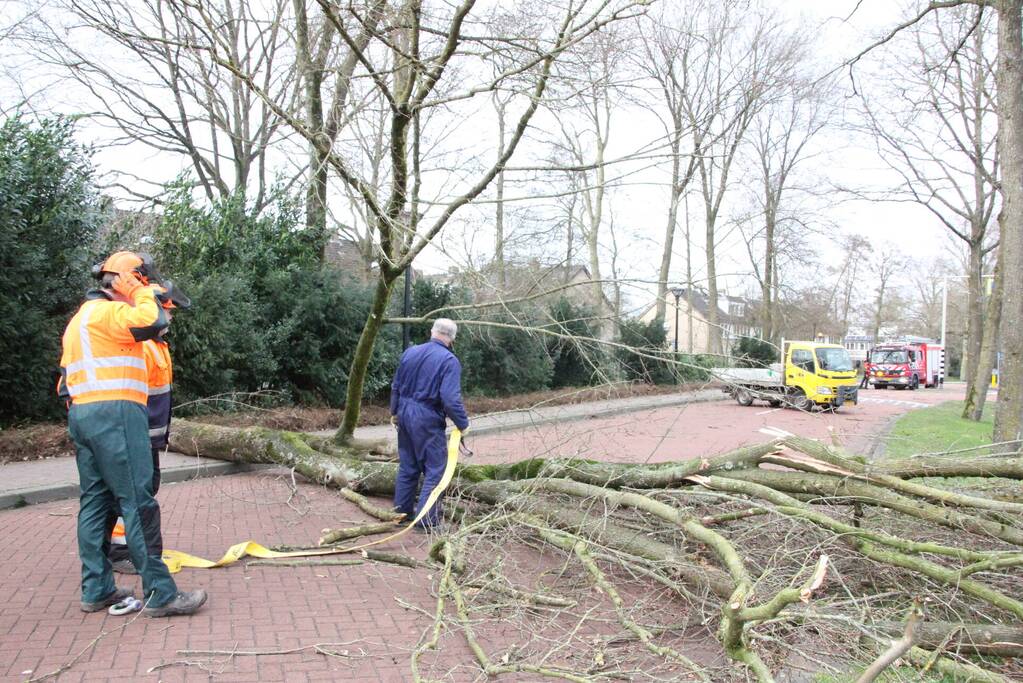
x=160, y=375
x=103, y=358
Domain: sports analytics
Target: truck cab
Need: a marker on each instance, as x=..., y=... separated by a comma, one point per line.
x=819, y=374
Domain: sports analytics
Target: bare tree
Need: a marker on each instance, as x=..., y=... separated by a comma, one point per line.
x=15, y=22
x=1009, y=95
x=848, y=278
x=500, y=107
x=973, y=405
x=593, y=88
x=734, y=75
x=148, y=79
x=884, y=267
x=926, y=283
x=667, y=44
x=935, y=125
x=319, y=59
x=437, y=58
x=1009, y=79
x=780, y=140
x=500, y=101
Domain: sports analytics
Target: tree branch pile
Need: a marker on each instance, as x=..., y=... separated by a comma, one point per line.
x=788, y=556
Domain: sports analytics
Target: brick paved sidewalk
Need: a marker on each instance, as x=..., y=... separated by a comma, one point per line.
x=268, y=608
x=372, y=615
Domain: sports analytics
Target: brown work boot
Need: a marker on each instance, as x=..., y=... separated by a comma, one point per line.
x=112, y=599
x=182, y=604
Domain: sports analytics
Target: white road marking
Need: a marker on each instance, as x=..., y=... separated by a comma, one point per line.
x=775, y=432
x=894, y=402
x=768, y=412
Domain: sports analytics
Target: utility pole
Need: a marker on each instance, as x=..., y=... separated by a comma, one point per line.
x=944, y=308
x=944, y=314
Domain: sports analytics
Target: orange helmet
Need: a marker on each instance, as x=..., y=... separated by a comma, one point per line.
x=127, y=262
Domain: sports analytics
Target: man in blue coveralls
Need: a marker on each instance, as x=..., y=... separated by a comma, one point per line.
x=426, y=388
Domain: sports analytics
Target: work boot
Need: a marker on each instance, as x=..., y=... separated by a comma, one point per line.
x=124, y=567
x=437, y=529
x=182, y=604
x=112, y=599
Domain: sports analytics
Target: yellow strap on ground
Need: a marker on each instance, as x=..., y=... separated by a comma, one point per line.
x=177, y=560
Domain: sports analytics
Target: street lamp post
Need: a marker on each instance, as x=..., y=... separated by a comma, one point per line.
x=677, y=292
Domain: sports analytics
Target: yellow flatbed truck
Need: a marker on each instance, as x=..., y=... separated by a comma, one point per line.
x=811, y=374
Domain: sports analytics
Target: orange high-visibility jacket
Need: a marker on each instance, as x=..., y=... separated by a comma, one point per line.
x=103, y=356
x=160, y=374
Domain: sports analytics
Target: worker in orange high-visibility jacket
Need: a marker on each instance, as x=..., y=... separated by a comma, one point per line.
x=159, y=377
x=103, y=374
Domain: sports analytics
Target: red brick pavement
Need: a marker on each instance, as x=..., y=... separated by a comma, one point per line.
x=356, y=608
x=700, y=429
x=267, y=608
x=249, y=608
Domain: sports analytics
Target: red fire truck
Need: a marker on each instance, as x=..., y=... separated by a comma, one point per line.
x=906, y=364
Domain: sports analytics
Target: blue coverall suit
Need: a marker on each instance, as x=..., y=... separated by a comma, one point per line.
x=426, y=387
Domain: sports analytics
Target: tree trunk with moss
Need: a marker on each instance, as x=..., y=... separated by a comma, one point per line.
x=361, y=358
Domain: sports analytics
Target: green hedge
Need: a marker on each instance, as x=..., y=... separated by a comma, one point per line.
x=575, y=363
x=266, y=316
x=654, y=364
x=496, y=360
x=48, y=219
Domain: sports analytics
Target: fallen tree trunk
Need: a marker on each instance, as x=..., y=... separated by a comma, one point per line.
x=342, y=468
x=975, y=639
x=832, y=486
x=634, y=516
x=347, y=468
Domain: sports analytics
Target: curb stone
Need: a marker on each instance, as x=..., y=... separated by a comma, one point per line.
x=46, y=494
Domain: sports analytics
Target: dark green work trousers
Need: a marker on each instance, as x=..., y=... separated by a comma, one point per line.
x=115, y=469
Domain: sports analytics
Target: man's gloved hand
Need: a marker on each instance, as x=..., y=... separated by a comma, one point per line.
x=125, y=284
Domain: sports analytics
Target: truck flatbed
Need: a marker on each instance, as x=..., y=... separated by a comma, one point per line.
x=763, y=377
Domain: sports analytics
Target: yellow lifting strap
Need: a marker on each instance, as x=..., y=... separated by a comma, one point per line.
x=177, y=560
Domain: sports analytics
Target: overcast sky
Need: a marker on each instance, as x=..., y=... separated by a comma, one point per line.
x=638, y=202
